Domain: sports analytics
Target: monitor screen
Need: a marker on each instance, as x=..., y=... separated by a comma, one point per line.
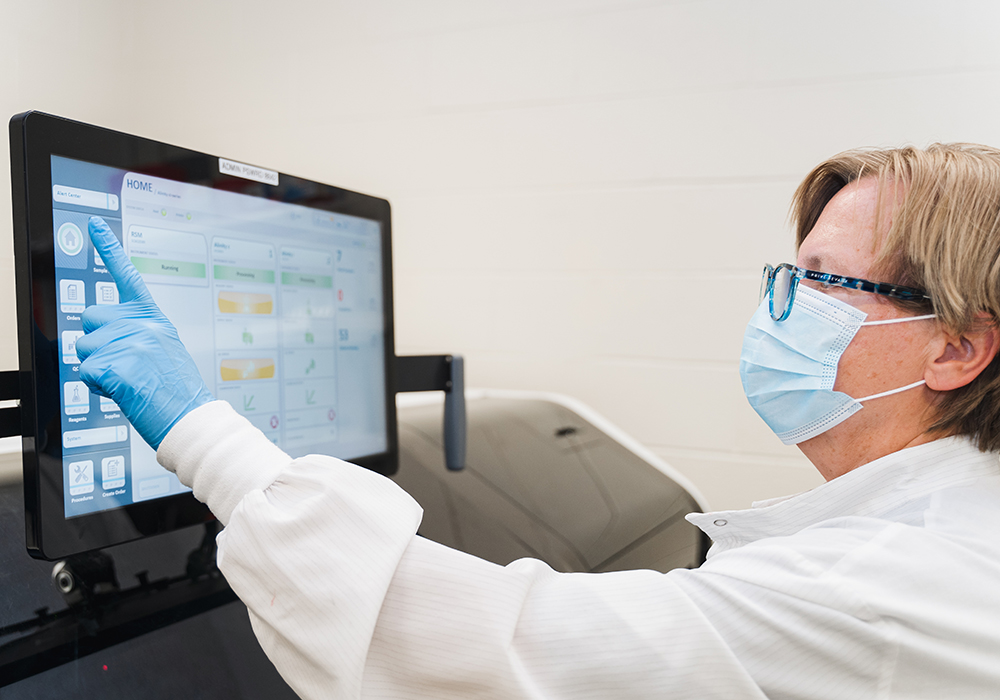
x=280, y=306
x=279, y=287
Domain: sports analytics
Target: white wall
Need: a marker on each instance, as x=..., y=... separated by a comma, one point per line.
x=584, y=191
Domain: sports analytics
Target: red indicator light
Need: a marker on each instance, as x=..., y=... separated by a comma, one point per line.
x=105, y=667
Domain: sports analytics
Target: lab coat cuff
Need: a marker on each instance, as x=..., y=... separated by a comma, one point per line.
x=222, y=457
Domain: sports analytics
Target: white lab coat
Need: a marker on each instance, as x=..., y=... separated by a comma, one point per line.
x=884, y=583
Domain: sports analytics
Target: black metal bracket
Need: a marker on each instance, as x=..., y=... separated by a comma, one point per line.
x=413, y=373
x=439, y=373
x=10, y=418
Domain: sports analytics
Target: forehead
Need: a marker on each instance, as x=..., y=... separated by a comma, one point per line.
x=842, y=241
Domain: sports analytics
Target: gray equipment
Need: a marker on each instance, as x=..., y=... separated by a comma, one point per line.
x=547, y=477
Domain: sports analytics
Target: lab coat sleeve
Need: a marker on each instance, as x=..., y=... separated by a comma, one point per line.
x=349, y=602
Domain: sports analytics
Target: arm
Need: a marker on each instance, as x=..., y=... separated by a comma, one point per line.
x=348, y=602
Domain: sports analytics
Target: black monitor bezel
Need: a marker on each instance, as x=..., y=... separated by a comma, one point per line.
x=34, y=138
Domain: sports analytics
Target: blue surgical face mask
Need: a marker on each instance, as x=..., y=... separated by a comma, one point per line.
x=788, y=368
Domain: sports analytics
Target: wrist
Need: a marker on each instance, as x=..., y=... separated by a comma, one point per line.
x=222, y=457
x=202, y=397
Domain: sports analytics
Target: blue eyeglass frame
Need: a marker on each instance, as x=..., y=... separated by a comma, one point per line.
x=896, y=291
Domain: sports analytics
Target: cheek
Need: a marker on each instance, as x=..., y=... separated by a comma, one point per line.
x=854, y=367
x=878, y=359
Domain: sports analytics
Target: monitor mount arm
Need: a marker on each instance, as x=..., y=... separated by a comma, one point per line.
x=413, y=373
x=439, y=373
x=10, y=418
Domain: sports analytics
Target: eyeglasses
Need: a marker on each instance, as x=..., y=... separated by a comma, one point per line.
x=780, y=283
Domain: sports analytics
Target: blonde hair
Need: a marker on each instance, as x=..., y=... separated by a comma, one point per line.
x=943, y=236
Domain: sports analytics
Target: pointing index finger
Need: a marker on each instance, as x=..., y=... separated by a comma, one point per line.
x=129, y=281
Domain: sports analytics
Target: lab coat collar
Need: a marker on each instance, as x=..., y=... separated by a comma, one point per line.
x=879, y=489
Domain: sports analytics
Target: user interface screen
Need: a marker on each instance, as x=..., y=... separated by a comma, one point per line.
x=280, y=305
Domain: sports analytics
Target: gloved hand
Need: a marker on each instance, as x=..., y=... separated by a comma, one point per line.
x=132, y=354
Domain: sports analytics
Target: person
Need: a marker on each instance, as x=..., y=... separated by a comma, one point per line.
x=881, y=582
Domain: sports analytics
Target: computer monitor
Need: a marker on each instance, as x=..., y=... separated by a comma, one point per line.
x=280, y=288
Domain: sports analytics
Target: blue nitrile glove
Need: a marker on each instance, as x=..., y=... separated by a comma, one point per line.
x=132, y=354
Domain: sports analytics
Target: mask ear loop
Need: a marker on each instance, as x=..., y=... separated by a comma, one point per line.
x=904, y=319
x=892, y=391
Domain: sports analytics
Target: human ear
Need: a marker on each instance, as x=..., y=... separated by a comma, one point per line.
x=960, y=358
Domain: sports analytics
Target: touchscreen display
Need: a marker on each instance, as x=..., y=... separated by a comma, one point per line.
x=279, y=304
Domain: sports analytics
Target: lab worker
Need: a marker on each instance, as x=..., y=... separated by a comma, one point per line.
x=875, y=353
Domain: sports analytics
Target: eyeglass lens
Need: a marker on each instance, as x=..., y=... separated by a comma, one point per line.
x=782, y=290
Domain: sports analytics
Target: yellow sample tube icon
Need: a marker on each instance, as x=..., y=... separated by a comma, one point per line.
x=241, y=370
x=245, y=303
